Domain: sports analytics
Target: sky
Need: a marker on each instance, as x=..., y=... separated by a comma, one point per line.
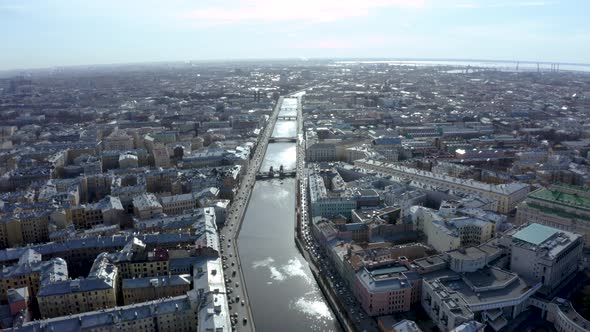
x=49, y=33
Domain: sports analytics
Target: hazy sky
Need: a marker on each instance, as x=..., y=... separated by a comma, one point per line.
x=42, y=33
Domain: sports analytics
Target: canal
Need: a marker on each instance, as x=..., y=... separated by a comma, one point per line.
x=283, y=294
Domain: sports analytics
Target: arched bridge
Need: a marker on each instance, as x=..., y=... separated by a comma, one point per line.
x=282, y=140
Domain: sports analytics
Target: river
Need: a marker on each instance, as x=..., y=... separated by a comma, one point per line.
x=283, y=294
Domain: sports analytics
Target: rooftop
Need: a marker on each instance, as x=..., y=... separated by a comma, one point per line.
x=503, y=189
x=163, y=281
x=535, y=234
x=562, y=197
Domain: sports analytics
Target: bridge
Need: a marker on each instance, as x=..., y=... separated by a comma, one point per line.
x=282, y=140
x=272, y=175
x=287, y=117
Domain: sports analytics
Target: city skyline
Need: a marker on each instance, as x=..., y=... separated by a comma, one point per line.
x=63, y=33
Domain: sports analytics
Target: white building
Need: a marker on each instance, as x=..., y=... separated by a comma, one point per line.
x=545, y=254
x=449, y=232
x=128, y=160
x=491, y=295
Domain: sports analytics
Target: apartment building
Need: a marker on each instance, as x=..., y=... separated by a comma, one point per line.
x=24, y=228
x=146, y=206
x=139, y=290
x=449, y=232
x=118, y=140
x=178, y=204
x=30, y=272
x=134, y=260
x=108, y=211
x=176, y=314
x=97, y=291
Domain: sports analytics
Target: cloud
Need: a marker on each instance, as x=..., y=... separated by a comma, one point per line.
x=353, y=41
x=303, y=11
x=333, y=44
x=476, y=4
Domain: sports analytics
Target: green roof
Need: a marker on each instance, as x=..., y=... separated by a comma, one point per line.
x=557, y=212
x=535, y=233
x=561, y=197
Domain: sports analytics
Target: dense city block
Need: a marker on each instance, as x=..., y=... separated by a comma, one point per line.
x=295, y=195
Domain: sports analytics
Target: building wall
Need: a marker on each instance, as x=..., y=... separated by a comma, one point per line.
x=147, y=213
x=76, y=302
x=31, y=281
x=21, y=230
x=143, y=294
x=84, y=218
x=438, y=237
x=550, y=272
x=329, y=207
x=178, y=207
x=435, y=308
x=383, y=303
x=563, y=322
x=181, y=321
x=118, y=143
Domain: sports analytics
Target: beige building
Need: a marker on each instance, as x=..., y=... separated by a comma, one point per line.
x=178, y=204
x=108, y=211
x=507, y=195
x=446, y=233
x=146, y=206
x=29, y=272
x=151, y=288
x=24, y=228
x=118, y=140
x=128, y=160
x=176, y=314
x=161, y=156
x=135, y=261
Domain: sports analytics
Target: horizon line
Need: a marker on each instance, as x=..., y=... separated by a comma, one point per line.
x=282, y=59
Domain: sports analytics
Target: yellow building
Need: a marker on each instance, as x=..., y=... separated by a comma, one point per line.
x=176, y=314
x=151, y=288
x=98, y=291
x=30, y=272
x=24, y=228
x=109, y=211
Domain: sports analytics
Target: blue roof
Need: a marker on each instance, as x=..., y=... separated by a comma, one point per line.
x=535, y=234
